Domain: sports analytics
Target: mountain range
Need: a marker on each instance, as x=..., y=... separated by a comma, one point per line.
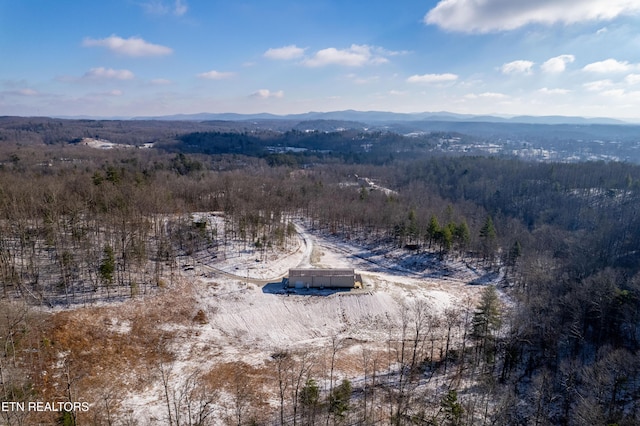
x=384, y=116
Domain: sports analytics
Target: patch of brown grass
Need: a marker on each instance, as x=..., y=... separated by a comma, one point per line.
x=247, y=389
x=89, y=356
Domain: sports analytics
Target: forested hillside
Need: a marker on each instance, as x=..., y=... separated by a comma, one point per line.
x=556, y=343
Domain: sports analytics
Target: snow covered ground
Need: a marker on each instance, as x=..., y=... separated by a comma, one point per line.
x=248, y=316
x=268, y=319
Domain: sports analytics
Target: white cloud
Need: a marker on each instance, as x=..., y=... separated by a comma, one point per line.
x=266, y=94
x=557, y=64
x=215, y=75
x=354, y=56
x=614, y=93
x=102, y=73
x=393, y=52
x=517, y=67
x=607, y=66
x=486, y=95
x=287, y=52
x=180, y=8
x=155, y=7
x=432, y=78
x=632, y=79
x=547, y=91
x=159, y=7
x=596, y=86
x=501, y=15
x=132, y=46
x=493, y=95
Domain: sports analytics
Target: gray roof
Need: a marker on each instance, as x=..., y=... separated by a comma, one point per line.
x=302, y=272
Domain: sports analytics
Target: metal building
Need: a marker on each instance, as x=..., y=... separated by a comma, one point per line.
x=322, y=278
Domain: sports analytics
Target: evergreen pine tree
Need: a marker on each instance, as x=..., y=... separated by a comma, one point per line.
x=108, y=265
x=488, y=237
x=433, y=229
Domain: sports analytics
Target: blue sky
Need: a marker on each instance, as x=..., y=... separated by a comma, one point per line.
x=158, y=57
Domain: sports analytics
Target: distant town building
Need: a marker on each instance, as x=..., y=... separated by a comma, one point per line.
x=323, y=278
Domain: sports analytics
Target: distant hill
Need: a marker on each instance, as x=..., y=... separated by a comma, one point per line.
x=559, y=119
x=378, y=117
x=328, y=125
x=358, y=136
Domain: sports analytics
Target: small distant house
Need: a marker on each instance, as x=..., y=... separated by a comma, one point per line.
x=323, y=278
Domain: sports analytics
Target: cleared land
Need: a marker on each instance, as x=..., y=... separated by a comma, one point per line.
x=229, y=315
